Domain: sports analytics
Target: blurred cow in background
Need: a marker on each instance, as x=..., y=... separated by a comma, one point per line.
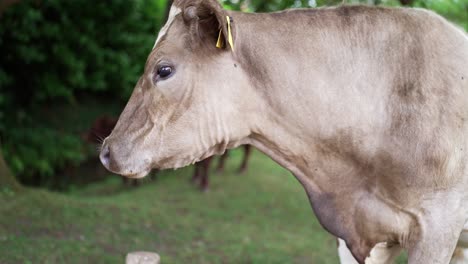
x=100, y=129
x=202, y=168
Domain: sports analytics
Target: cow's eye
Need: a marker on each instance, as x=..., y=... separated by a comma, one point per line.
x=164, y=72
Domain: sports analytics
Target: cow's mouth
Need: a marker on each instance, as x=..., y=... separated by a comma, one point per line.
x=137, y=175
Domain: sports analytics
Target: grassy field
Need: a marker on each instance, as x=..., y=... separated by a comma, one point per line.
x=262, y=216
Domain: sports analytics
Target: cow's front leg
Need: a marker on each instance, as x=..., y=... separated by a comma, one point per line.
x=437, y=239
x=344, y=253
x=460, y=256
x=243, y=166
x=221, y=161
x=382, y=253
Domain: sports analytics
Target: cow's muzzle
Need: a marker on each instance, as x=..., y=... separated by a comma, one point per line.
x=106, y=159
x=105, y=156
x=125, y=167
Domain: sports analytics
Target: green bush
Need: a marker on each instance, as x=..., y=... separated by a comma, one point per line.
x=55, y=51
x=454, y=10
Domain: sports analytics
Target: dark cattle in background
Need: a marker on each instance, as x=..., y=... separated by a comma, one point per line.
x=202, y=168
x=100, y=129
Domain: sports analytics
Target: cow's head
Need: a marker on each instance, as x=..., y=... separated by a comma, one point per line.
x=192, y=101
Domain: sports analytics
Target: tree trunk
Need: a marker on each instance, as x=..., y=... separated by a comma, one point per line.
x=6, y=177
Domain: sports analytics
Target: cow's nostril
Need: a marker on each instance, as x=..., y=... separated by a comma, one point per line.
x=105, y=156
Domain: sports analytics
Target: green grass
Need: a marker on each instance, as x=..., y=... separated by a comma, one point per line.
x=262, y=216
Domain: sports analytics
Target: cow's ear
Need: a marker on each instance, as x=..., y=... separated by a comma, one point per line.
x=206, y=19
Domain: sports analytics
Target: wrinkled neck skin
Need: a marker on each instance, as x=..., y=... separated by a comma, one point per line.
x=287, y=126
x=323, y=119
x=277, y=128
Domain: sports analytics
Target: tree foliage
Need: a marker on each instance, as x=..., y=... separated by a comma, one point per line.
x=454, y=10
x=53, y=51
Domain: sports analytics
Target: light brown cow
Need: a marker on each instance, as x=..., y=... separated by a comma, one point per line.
x=366, y=106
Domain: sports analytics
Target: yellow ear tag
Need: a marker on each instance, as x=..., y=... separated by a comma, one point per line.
x=220, y=42
x=231, y=43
